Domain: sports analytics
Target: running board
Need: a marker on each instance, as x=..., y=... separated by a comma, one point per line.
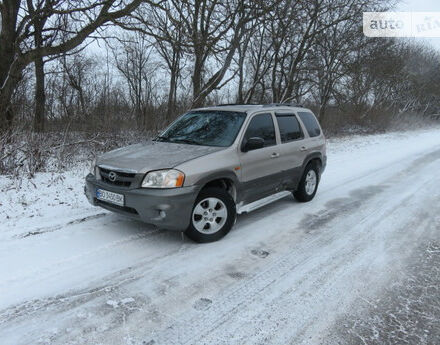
x=262, y=202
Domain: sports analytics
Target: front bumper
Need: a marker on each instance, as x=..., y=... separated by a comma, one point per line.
x=166, y=208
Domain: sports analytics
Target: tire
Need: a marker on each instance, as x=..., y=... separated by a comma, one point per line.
x=212, y=216
x=305, y=192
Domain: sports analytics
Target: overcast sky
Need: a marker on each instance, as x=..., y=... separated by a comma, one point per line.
x=422, y=6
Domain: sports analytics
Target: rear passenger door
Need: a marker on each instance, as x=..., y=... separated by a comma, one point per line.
x=259, y=168
x=293, y=149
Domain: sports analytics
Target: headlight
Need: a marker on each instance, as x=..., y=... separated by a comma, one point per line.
x=168, y=178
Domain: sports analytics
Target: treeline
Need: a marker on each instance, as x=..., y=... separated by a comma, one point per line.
x=109, y=65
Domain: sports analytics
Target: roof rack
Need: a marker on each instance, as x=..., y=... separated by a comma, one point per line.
x=283, y=105
x=264, y=105
x=230, y=104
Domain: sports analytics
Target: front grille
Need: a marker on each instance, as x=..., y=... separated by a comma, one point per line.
x=122, y=179
x=117, y=207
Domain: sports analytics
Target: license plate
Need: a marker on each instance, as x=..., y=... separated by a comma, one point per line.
x=111, y=197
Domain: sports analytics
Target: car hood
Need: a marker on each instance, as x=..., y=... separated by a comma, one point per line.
x=152, y=155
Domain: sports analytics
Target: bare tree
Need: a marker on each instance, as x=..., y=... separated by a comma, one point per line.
x=208, y=22
x=187, y=53
x=40, y=97
x=137, y=67
x=209, y=32
x=77, y=70
x=168, y=36
x=329, y=56
x=18, y=23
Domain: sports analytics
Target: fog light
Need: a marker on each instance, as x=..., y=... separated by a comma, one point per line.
x=162, y=214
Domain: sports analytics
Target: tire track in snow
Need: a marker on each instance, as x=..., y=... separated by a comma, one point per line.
x=45, y=230
x=126, y=240
x=106, y=284
x=32, y=307
x=48, y=268
x=193, y=325
x=323, y=280
x=317, y=218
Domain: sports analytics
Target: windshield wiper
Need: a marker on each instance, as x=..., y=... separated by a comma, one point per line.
x=186, y=141
x=160, y=138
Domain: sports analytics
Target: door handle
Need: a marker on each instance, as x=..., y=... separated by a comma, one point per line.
x=303, y=148
x=274, y=155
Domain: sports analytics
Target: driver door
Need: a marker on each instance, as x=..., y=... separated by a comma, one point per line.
x=260, y=173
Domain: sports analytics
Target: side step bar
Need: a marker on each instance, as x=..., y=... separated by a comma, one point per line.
x=262, y=202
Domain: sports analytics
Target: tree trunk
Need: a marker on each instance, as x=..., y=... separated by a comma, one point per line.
x=6, y=115
x=8, y=81
x=197, y=81
x=240, y=96
x=8, y=84
x=322, y=110
x=40, y=96
x=171, y=96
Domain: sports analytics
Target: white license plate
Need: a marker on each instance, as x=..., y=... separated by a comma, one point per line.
x=111, y=197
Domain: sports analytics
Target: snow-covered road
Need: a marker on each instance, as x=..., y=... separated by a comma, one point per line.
x=288, y=273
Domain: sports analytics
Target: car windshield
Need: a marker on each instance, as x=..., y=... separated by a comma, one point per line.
x=207, y=128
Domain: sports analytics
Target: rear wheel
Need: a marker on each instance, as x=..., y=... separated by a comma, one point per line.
x=309, y=183
x=212, y=216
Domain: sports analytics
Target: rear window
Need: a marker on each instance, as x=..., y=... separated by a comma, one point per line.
x=311, y=123
x=290, y=128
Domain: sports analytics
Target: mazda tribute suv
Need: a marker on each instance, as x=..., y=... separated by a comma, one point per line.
x=212, y=164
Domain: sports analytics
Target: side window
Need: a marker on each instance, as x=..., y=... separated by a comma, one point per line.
x=262, y=126
x=311, y=123
x=290, y=128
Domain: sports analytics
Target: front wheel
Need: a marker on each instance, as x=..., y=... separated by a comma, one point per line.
x=309, y=183
x=213, y=215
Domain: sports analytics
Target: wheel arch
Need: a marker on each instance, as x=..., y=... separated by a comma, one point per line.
x=225, y=180
x=312, y=157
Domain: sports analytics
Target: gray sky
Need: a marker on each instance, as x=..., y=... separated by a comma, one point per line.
x=422, y=6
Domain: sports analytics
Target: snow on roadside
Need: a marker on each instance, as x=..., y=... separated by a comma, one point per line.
x=107, y=268
x=27, y=204
x=44, y=199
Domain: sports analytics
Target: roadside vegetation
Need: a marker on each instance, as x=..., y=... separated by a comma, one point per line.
x=77, y=78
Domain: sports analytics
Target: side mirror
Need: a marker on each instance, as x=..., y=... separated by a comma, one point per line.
x=253, y=144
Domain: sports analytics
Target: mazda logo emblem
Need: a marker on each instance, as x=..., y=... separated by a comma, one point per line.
x=112, y=176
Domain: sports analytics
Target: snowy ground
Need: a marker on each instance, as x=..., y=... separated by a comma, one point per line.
x=359, y=264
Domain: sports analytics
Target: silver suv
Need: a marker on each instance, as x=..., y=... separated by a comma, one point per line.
x=212, y=164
